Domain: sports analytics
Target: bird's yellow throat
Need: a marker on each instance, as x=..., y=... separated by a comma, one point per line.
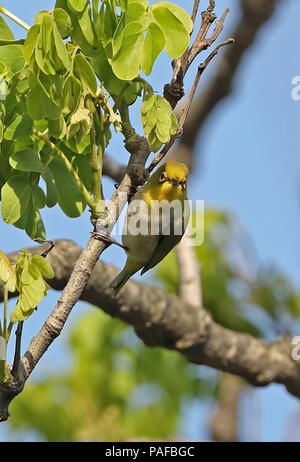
x=164, y=191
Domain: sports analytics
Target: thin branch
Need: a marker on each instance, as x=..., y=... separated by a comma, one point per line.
x=44, y=241
x=173, y=91
x=195, y=10
x=212, y=5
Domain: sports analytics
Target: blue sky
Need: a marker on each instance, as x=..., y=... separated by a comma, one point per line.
x=249, y=153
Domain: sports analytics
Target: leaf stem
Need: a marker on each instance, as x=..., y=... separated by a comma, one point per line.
x=68, y=165
x=96, y=164
x=5, y=303
x=127, y=128
x=14, y=18
x=120, y=96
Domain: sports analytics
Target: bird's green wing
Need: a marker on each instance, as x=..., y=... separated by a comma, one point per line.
x=165, y=245
x=167, y=242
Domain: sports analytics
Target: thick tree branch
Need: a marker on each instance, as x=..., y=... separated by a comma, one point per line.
x=164, y=320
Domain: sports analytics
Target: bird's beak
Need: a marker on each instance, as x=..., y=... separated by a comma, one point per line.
x=174, y=181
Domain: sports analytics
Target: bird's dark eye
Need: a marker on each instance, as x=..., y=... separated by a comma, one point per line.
x=162, y=177
x=183, y=184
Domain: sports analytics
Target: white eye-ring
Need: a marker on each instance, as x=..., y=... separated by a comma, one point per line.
x=183, y=184
x=162, y=177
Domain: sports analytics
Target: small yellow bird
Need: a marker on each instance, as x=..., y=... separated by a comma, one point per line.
x=156, y=220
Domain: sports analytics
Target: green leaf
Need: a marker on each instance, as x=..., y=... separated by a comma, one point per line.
x=40, y=55
x=3, y=68
x=77, y=34
x=26, y=160
x=179, y=12
x=71, y=94
x=30, y=42
x=43, y=266
x=77, y=5
x=105, y=74
x=40, y=198
x=5, y=32
x=7, y=272
x=46, y=30
x=17, y=314
x=39, y=106
x=154, y=43
x=147, y=103
x=86, y=25
x=106, y=24
x=126, y=64
x=12, y=56
x=154, y=142
x=38, y=19
x=57, y=127
x=118, y=36
x=19, y=128
x=34, y=225
x=86, y=73
x=135, y=11
x=83, y=147
x=177, y=36
x=51, y=191
x=63, y=22
x=60, y=48
x=69, y=195
x=15, y=196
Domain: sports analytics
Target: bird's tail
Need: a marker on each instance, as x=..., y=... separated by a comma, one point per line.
x=120, y=280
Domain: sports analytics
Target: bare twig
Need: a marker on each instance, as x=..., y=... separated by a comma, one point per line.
x=201, y=68
x=195, y=10
x=212, y=5
x=173, y=91
x=43, y=241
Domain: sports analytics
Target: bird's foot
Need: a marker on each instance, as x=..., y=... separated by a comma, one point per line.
x=106, y=238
